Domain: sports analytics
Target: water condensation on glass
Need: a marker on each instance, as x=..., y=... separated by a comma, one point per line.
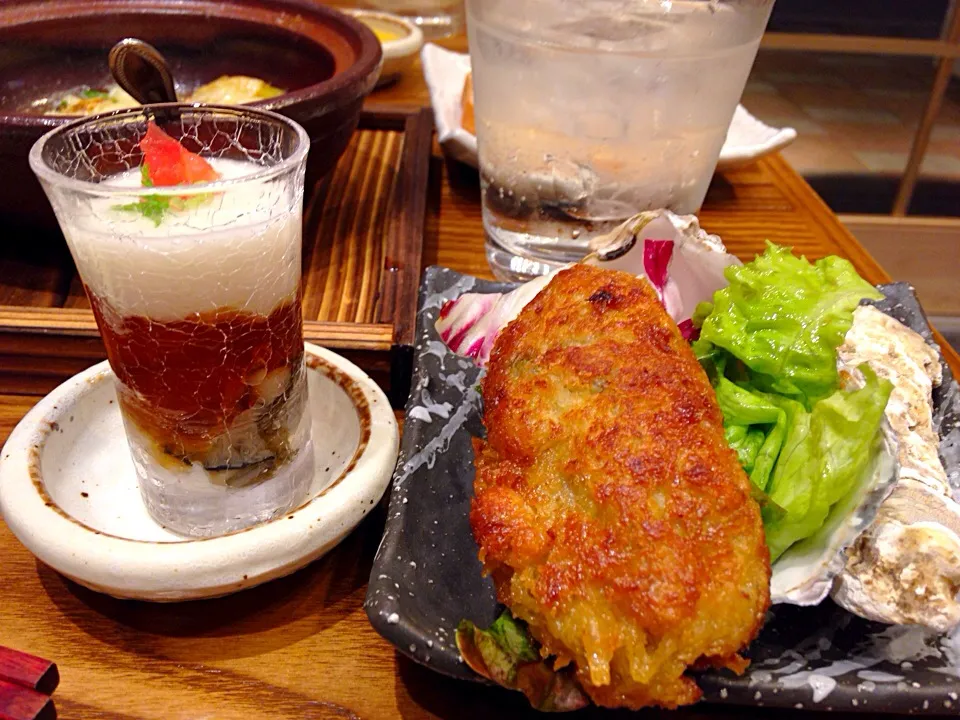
x=200, y=312
x=589, y=111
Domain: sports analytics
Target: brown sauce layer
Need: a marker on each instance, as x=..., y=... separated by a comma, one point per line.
x=186, y=382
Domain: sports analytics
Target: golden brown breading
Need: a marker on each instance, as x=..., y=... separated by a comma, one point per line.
x=610, y=511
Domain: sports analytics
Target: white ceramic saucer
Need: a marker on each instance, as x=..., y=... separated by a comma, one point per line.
x=69, y=493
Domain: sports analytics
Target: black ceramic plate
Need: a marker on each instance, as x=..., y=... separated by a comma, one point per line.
x=426, y=576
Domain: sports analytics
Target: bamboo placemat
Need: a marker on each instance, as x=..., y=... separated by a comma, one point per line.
x=362, y=246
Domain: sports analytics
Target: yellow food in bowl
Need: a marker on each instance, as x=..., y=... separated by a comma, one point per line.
x=234, y=90
x=384, y=35
x=225, y=90
x=385, y=30
x=90, y=101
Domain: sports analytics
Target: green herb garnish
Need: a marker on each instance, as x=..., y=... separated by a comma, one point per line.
x=155, y=207
x=152, y=207
x=94, y=93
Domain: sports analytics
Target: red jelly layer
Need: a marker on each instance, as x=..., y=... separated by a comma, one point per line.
x=188, y=380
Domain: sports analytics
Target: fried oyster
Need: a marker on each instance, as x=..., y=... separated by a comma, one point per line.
x=610, y=512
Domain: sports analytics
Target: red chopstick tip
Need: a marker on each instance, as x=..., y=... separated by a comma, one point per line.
x=21, y=703
x=28, y=671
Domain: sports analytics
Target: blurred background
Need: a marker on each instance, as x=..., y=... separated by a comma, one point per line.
x=873, y=89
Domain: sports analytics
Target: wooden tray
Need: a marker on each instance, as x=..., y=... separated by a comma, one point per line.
x=362, y=245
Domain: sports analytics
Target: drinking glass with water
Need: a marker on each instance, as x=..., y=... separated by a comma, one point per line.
x=589, y=111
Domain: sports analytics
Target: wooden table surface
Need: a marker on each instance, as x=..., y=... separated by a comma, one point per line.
x=301, y=647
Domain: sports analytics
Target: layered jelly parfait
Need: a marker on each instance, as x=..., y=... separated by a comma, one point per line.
x=196, y=290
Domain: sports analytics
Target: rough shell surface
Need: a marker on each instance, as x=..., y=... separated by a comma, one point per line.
x=906, y=567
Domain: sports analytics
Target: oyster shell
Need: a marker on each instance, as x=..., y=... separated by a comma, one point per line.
x=905, y=568
x=903, y=357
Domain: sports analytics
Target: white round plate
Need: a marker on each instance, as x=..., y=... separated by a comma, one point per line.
x=398, y=54
x=69, y=492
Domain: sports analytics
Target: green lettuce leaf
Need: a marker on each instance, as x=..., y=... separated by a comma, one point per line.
x=754, y=424
x=784, y=318
x=825, y=453
x=506, y=654
x=746, y=442
x=769, y=343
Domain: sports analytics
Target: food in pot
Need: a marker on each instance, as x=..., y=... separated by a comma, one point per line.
x=225, y=90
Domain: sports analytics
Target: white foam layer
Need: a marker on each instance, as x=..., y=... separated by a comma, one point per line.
x=238, y=249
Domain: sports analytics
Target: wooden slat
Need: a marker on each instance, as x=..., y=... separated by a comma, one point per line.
x=921, y=138
x=76, y=296
x=346, y=229
x=922, y=250
x=322, y=224
x=871, y=45
x=398, y=301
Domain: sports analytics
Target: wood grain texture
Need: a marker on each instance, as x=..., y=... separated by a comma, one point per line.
x=927, y=260
x=921, y=139
x=400, y=269
x=301, y=647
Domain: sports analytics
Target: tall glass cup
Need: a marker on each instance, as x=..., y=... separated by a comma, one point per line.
x=196, y=292
x=589, y=111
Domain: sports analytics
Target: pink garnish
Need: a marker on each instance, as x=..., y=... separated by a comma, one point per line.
x=474, y=350
x=689, y=330
x=169, y=163
x=469, y=324
x=656, y=260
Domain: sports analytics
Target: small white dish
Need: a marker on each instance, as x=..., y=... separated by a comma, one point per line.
x=398, y=53
x=445, y=72
x=749, y=139
x=69, y=493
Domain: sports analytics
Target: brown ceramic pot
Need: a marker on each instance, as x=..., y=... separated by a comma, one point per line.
x=325, y=60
